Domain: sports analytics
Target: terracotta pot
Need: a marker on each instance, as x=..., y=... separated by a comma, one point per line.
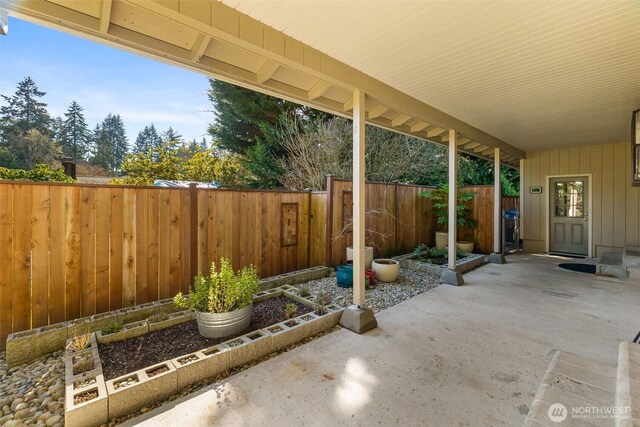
x=387, y=270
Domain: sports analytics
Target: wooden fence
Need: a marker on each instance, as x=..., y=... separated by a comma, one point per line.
x=69, y=250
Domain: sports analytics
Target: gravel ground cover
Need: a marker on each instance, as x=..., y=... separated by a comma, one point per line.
x=33, y=394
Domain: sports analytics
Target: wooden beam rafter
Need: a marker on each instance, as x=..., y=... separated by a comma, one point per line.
x=400, y=120
x=105, y=16
x=200, y=46
x=266, y=71
x=419, y=126
x=377, y=111
x=319, y=89
x=435, y=132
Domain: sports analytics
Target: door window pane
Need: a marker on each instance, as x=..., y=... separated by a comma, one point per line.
x=569, y=199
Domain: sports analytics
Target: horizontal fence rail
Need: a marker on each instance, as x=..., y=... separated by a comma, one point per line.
x=70, y=250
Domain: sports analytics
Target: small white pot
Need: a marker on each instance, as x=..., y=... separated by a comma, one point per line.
x=387, y=270
x=368, y=255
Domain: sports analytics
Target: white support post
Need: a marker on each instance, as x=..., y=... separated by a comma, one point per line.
x=497, y=203
x=357, y=317
x=358, y=196
x=453, y=198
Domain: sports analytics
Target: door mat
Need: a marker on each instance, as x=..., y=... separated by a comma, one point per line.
x=581, y=268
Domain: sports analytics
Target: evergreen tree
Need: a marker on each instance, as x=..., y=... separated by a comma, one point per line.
x=113, y=127
x=109, y=143
x=247, y=123
x=102, y=150
x=76, y=133
x=171, y=136
x=34, y=148
x=147, y=139
x=57, y=127
x=24, y=111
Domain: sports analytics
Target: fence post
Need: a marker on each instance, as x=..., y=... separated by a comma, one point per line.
x=193, y=222
x=329, y=243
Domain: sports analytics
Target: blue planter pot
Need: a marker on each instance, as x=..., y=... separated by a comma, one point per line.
x=344, y=276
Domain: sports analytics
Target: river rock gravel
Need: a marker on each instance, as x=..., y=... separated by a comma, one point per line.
x=382, y=295
x=32, y=394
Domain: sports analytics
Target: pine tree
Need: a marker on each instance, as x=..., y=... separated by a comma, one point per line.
x=247, y=123
x=57, y=127
x=147, y=139
x=172, y=137
x=116, y=134
x=24, y=111
x=102, y=150
x=76, y=133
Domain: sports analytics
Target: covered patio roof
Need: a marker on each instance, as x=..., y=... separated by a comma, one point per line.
x=212, y=37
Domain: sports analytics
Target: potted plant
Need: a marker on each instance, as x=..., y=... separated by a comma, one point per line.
x=440, y=206
x=387, y=270
x=222, y=300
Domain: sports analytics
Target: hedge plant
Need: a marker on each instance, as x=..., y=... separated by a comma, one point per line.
x=38, y=173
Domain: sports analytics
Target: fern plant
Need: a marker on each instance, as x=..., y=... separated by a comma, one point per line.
x=221, y=291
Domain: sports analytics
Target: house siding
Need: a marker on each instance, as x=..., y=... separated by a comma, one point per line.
x=615, y=208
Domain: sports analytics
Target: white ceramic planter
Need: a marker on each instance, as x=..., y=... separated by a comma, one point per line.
x=387, y=270
x=368, y=255
x=218, y=325
x=442, y=239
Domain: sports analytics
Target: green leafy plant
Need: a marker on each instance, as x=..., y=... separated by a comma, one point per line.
x=38, y=173
x=290, y=310
x=304, y=292
x=112, y=328
x=220, y=292
x=440, y=206
x=322, y=300
x=421, y=248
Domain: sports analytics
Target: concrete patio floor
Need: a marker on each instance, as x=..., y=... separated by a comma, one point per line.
x=469, y=355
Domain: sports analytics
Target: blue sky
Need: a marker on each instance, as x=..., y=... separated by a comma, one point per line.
x=104, y=80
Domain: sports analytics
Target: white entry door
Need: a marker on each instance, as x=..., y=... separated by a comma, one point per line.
x=568, y=216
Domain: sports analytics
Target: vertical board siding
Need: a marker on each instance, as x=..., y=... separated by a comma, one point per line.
x=68, y=251
x=615, y=212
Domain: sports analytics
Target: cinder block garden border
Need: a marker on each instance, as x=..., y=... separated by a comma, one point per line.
x=130, y=392
x=27, y=346
x=463, y=265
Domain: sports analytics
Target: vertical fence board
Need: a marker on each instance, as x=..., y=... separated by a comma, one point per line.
x=142, y=288
x=88, y=247
x=6, y=261
x=57, y=248
x=116, y=256
x=129, y=250
x=40, y=257
x=164, y=244
x=152, y=245
x=186, y=245
x=103, y=234
x=73, y=254
x=175, y=255
x=21, y=300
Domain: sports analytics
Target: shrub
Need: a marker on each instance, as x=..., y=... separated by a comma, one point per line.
x=440, y=206
x=221, y=292
x=38, y=173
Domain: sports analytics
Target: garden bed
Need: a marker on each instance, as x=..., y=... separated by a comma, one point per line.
x=121, y=357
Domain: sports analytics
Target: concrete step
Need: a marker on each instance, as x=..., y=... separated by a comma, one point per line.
x=572, y=385
x=611, y=264
x=628, y=385
x=631, y=257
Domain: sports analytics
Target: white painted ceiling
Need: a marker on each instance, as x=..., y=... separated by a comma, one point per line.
x=537, y=74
